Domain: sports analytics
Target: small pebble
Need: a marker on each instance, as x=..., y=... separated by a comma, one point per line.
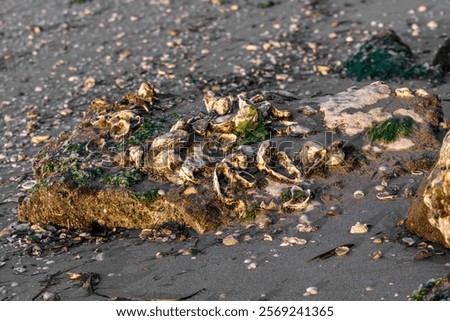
x=369, y=289
x=380, y=188
x=382, y=168
x=252, y=266
x=409, y=241
x=432, y=25
x=48, y=296
x=161, y=192
x=247, y=261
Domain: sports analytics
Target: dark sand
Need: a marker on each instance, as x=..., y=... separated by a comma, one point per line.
x=182, y=49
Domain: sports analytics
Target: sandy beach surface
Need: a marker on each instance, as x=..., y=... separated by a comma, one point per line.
x=56, y=56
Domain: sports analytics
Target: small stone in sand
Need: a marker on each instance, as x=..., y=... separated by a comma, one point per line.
x=48, y=296
x=252, y=266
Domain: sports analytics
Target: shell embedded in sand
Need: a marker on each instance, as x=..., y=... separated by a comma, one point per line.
x=341, y=250
x=359, y=228
x=409, y=241
x=377, y=255
x=312, y=290
x=358, y=194
x=289, y=241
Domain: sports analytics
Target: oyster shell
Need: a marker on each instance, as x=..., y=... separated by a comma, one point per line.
x=192, y=164
x=221, y=106
x=119, y=129
x=225, y=180
x=312, y=154
x=170, y=139
x=299, y=199
x=264, y=159
x=223, y=124
x=136, y=153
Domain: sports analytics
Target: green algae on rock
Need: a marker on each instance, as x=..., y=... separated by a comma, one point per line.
x=433, y=290
x=385, y=57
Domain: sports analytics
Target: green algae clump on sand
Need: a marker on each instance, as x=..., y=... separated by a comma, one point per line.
x=385, y=57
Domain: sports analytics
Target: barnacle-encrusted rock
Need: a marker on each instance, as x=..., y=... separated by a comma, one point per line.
x=429, y=217
x=126, y=165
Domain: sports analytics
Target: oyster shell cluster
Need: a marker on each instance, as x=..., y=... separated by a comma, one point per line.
x=221, y=151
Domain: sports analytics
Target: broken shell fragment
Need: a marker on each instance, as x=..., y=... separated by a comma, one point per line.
x=147, y=92
x=416, y=172
x=377, y=255
x=386, y=196
x=304, y=228
x=341, y=250
x=35, y=140
x=409, y=241
x=359, y=228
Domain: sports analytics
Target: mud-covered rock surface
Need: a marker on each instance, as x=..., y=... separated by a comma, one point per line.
x=350, y=242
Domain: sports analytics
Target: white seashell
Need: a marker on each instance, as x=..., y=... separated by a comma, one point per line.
x=252, y=266
x=358, y=194
x=380, y=188
x=416, y=172
x=359, y=228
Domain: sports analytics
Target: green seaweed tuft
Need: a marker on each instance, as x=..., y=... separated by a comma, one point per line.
x=252, y=132
x=389, y=130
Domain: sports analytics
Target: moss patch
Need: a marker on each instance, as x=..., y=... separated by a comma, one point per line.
x=149, y=197
x=252, y=132
x=389, y=130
